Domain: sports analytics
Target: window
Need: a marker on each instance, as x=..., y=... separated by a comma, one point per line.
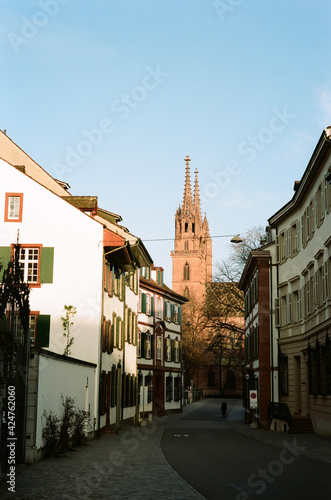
x=148, y=304
x=159, y=347
x=18, y=330
x=177, y=388
x=176, y=314
x=295, y=238
x=148, y=349
x=211, y=378
x=159, y=307
x=149, y=385
x=167, y=311
x=169, y=388
x=13, y=207
x=36, y=263
x=186, y=271
x=319, y=366
x=177, y=351
x=283, y=374
x=29, y=262
x=168, y=349
x=186, y=246
x=139, y=344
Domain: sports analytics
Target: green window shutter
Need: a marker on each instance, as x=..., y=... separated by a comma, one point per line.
x=179, y=315
x=43, y=329
x=152, y=306
x=46, y=265
x=172, y=307
x=180, y=351
x=172, y=350
x=5, y=254
x=143, y=303
x=158, y=277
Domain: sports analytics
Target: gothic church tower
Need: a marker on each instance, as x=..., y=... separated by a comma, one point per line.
x=192, y=257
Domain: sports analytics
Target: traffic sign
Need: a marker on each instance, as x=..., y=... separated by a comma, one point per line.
x=253, y=399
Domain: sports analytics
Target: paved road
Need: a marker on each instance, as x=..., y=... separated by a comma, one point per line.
x=225, y=463
x=130, y=465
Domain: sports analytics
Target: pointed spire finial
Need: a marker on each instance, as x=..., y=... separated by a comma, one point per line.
x=196, y=198
x=187, y=201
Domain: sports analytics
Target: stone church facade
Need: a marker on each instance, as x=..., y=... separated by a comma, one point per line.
x=192, y=277
x=192, y=256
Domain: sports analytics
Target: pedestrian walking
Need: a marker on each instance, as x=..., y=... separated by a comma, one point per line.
x=224, y=408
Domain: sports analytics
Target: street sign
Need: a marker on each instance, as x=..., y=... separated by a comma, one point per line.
x=253, y=400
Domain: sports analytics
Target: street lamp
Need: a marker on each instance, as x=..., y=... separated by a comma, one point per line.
x=236, y=239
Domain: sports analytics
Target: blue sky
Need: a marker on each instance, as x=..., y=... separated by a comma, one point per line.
x=111, y=96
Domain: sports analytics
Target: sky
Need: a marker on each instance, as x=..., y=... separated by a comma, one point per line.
x=111, y=96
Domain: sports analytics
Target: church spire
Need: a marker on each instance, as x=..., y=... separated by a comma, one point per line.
x=187, y=200
x=196, y=199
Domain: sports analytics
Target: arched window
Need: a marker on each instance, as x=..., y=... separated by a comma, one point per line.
x=186, y=271
x=211, y=378
x=186, y=292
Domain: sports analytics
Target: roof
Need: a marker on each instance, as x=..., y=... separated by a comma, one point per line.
x=162, y=289
x=82, y=202
x=251, y=265
x=302, y=187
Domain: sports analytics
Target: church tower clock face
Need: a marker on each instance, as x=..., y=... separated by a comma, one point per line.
x=192, y=255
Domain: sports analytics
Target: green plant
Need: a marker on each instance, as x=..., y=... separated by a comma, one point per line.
x=67, y=423
x=51, y=434
x=61, y=434
x=67, y=323
x=81, y=424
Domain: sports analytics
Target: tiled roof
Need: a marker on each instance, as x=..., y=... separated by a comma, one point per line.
x=82, y=202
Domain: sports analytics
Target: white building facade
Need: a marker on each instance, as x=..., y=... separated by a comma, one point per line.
x=160, y=372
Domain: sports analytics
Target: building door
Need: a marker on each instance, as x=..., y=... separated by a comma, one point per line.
x=297, y=384
x=158, y=396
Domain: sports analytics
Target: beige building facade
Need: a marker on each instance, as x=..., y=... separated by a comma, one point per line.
x=302, y=309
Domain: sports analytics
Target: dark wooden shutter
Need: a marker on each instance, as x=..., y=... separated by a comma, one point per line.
x=143, y=303
x=43, y=329
x=172, y=350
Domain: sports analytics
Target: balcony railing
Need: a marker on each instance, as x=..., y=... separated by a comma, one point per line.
x=280, y=411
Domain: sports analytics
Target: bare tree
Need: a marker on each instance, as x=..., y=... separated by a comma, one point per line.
x=231, y=269
x=224, y=307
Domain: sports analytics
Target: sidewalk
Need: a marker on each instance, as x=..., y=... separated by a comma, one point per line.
x=131, y=465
